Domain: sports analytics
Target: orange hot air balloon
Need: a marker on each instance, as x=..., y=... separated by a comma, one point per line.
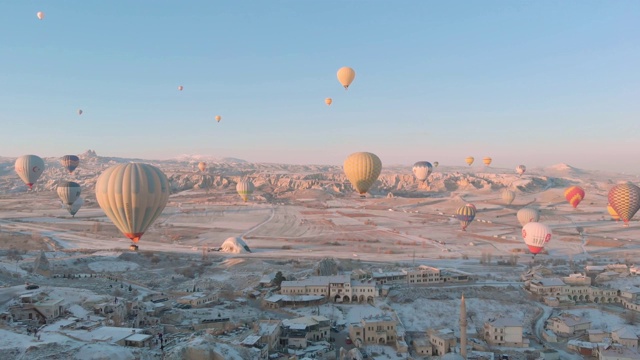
x=218, y=118
x=202, y=166
x=487, y=161
x=346, y=76
x=328, y=101
x=469, y=160
x=625, y=200
x=614, y=215
x=574, y=195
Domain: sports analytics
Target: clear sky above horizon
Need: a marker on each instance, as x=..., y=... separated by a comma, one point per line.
x=536, y=83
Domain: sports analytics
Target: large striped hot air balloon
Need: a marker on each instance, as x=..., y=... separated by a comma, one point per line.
x=133, y=196
x=469, y=160
x=613, y=213
x=245, y=189
x=508, y=196
x=29, y=168
x=536, y=235
x=520, y=169
x=70, y=162
x=625, y=200
x=574, y=195
x=362, y=169
x=68, y=192
x=465, y=215
x=487, y=161
x=422, y=170
x=527, y=215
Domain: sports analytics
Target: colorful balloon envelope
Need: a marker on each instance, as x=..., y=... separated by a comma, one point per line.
x=487, y=161
x=520, y=169
x=245, y=189
x=508, y=196
x=465, y=215
x=133, y=196
x=70, y=162
x=362, y=169
x=625, y=200
x=469, y=160
x=536, y=235
x=614, y=215
x=29, y=168
x=574, y=195
x=346, y=76
x=202, y=166
x=527, y=215
x=422, y=170
x=68, y=192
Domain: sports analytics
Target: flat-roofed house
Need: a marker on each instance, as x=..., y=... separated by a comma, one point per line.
x=505, y=331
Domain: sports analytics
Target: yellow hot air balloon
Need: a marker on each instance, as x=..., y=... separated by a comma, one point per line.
x=346, y=76
x=202, y=166
x=29, y=168
x=328, y=101
x=625, y=200
x=487, y=161
x=218, y=118
x=180, y=87
x=133, y=196
x=362, y=169
x=40, y=15
x=612, y=212
x=469, y=160
x=245, y=189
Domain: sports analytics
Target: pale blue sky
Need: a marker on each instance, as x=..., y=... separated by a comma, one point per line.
x=532, y=82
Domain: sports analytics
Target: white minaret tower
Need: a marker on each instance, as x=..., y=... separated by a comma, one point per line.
x=463, y=328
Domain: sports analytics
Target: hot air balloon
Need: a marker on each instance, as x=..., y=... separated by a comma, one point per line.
x=435, y=164
x=574, y=195
x=328, y=101
x=536, y=235
x=68, y=192
x=180, y=87
x=487, y=161
x=245, y=189
x=422, y=170
x=133, y=196
x=508, y=196
x=520, y=169
x=346, y=76
x=527, y=215
x=613, y=213
x=362, y=169
x=40, y=15
x=466, y=214
x=76, y=206
x=29, y=168
x=80, y=111
x=625, y=200
x=202, y=166
x=218, y=118
x=469, y=160
x=70, y=162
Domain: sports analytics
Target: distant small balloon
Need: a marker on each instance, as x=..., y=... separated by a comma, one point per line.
x=469, y=160
x=328, y=101
x=435, y=164
x=40, y=15
x=487, y=161
x=180, y=87
x=80, y=111
x=218, y=118
x=520, y=169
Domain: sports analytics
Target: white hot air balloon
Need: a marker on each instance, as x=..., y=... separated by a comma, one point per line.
x=536, y=235
x=527, y=215
x=422, y=170
x=520, y=169
x=29, y=168
x=40, y=15
x=245, y=189
x=508, y=196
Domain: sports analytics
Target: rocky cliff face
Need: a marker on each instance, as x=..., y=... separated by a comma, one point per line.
x=276, y=180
